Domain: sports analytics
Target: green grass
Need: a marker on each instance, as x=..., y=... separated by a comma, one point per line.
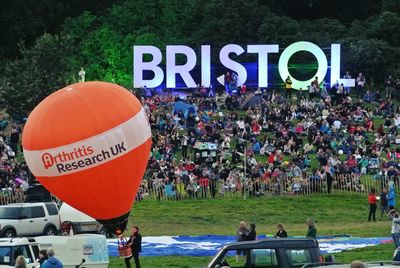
x=377, y=253
x=335, y=214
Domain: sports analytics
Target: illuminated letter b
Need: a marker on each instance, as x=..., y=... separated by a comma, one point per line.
x=139, y=66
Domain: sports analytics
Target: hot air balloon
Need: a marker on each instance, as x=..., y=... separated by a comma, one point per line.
x=89, y=144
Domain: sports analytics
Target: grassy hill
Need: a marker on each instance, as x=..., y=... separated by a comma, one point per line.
x=335, y=214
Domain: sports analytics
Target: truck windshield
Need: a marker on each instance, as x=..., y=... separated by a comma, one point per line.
x=11, y=213
x=5, y=255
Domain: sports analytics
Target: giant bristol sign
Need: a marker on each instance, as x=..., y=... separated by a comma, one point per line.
x=172, y=68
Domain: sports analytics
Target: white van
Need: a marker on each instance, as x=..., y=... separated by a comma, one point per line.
x=71, y=250
x=11, y=248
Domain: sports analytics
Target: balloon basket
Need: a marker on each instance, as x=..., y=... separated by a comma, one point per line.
x=125, y=251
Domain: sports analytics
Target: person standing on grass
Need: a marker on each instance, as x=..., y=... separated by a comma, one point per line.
x=391, y=196
x=360, y=85
x=135, y=241
x=184, y=145
x=394, y=215
x=288, y=88
x=281, y=231
x=347, y=89
x=312, y=231
x=372, y=204
x=384, y=202
x=242, y=235
x=252, y=233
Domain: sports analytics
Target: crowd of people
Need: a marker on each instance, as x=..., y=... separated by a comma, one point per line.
x=15, y=176
x=286, y=142
x=307, y=142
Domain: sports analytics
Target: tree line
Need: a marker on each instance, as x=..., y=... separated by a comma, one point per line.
x=45, y=50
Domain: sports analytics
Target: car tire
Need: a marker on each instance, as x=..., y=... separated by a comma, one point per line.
x=51, y=230
x=9, y=233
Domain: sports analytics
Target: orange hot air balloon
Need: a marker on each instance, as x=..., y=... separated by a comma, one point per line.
x=89, y=144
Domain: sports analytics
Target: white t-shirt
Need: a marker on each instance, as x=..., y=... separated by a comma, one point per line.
x=337, y=124
x=360, y=80
x=397, y=121
x=240, y=124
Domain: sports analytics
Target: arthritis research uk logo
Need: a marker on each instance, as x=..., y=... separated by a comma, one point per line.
x=81, y=157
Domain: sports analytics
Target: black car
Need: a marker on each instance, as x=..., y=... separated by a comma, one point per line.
x=38, y=193
x=282, y=253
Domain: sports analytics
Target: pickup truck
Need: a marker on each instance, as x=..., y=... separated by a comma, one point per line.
x=274, y=252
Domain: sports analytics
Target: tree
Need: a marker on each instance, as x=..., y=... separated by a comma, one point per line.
x=371, y=57
x=278, y=30
x=107, y=56
x=385, y=27
x=41, y=70
x=27, y=20
x=391, y=5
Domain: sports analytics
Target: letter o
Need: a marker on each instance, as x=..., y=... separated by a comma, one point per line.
x=302, y=46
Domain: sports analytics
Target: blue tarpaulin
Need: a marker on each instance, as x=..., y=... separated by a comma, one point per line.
x=208, y=245
x=185, y=108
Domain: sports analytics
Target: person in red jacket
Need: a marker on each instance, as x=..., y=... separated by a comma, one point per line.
x=372, y=204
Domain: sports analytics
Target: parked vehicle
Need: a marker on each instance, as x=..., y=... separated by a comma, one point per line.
x=28, y=219
x=11, y=248
x=79, y=222
x=283, y=253
x=84, y=251
x=376, y=264
x=91, y=249
x=37, y=193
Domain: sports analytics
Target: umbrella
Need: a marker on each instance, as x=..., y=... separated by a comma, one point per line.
x=19, y=180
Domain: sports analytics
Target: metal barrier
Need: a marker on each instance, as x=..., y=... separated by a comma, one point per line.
x=159, y=189
x=10, y=196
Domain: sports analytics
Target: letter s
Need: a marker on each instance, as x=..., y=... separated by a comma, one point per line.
x=233, y=65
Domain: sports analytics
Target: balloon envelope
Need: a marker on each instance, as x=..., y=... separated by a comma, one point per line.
x=89, y=144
